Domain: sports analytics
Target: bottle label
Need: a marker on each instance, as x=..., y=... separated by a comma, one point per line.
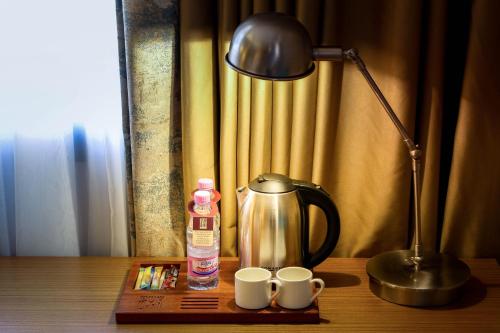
x=203, y=231
x=203, y=267
x=203, y=223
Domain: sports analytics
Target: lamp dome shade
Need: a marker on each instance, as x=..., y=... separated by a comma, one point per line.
x=271, y=46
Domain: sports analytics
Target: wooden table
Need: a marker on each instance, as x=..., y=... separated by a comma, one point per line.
x=79, y=295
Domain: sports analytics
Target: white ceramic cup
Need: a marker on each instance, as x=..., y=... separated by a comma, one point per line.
x=296, y=290
x=253, y=288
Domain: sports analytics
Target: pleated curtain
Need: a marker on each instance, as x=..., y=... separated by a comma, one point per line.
x=434, y=61
x=187, y=115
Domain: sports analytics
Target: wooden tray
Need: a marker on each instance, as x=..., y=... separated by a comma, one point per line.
x=183, y=305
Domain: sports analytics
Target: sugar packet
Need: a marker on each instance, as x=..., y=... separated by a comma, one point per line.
x=147, y=277
x=139, y=278
x=155, y=282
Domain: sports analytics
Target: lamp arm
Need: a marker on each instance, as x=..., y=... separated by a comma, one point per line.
x=337, y=54
x=414, y=150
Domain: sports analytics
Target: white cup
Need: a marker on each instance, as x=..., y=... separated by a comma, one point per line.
x=296, y=290
x=253, y=288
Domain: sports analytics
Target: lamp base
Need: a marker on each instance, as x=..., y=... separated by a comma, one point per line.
x=435, y=279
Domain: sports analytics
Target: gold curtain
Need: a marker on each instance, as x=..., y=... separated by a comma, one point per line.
x=472, y=214
x=330, y=129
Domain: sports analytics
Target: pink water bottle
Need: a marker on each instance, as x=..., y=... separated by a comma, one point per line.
x=203, y=243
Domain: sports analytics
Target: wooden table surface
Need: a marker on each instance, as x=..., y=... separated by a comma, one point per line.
x=41, y=294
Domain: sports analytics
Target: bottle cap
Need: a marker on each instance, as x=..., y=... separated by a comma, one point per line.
x=205, y=184
x=201, y=197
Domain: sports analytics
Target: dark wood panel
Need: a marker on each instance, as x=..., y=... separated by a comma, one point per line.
x=40, y=294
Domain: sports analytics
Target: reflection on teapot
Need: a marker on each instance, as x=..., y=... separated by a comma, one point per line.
x=274, y=223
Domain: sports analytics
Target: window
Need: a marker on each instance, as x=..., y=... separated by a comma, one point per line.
x=61, y=144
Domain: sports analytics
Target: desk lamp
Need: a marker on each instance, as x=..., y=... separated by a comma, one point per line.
x=275, y=46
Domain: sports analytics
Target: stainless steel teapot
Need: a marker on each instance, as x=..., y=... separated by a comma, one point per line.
x=274, y=222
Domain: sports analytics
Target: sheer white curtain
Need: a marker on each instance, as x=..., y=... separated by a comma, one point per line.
x=62, y=172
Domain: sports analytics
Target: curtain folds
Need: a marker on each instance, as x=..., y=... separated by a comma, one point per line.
x=330, y=129
x=472, y=213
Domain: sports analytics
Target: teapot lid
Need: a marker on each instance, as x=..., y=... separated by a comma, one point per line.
x=272, y=183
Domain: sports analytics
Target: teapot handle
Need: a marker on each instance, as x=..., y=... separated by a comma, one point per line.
x=312, y=194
